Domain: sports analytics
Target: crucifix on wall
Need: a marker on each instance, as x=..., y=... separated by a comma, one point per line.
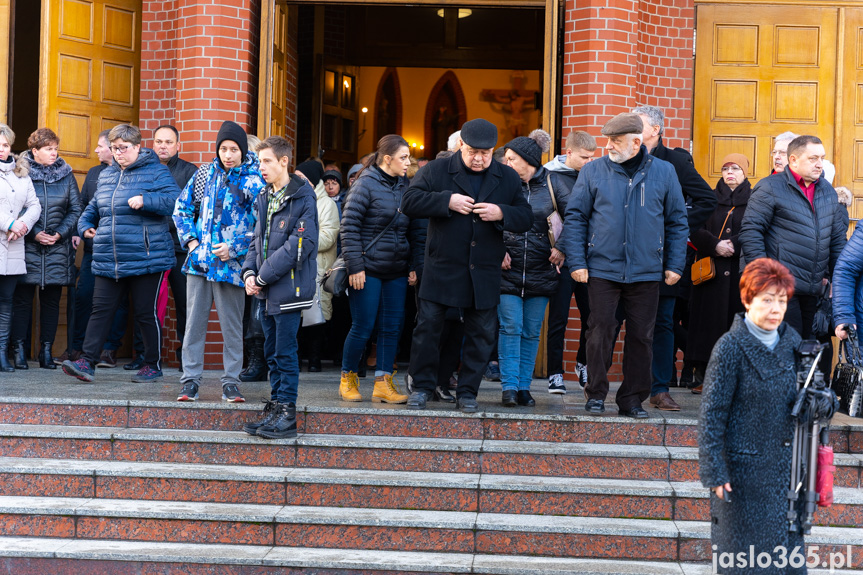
x=512, y=103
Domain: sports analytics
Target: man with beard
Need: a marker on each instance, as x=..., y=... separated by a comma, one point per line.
x=625, y=233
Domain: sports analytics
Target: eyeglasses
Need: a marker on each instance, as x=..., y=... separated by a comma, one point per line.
x=121, y=149
x=732, y=169
x=780, y=152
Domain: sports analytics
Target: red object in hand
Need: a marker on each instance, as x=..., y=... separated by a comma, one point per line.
x=824, y=476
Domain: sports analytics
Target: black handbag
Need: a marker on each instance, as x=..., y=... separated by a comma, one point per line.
x=335, y=280
x=848, y=376
x=823, y=319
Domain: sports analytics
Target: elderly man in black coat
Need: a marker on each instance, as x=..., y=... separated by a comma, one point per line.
x=469, y=200
x=701, y=202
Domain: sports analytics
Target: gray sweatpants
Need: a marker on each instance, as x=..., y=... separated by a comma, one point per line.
x=230, y=300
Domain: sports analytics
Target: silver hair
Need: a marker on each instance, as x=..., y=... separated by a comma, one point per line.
x=785, y=137
x=7, y=133
x=125, y=132
x=654, y=114
x=452, y=142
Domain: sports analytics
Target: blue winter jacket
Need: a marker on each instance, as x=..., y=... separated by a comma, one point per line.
x=132, y=242
x=287, y=273
x=626, y=230
x=848, y=282
x=226, y=214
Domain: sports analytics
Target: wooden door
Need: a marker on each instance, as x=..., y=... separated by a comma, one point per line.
x=849, y=101
x=90, y=72
x=277, y=79
x=760, y=71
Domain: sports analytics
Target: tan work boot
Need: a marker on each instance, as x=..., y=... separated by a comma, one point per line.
x=349, y=387
x=386, y=392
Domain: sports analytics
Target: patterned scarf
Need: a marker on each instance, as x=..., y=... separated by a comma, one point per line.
x=274, y=201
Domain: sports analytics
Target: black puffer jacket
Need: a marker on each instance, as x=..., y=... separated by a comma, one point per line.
x=531, y=274
x=57, y=191
x=780, y=223
x=372, y=203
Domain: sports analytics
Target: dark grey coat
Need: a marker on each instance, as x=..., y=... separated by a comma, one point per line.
x=744, y=438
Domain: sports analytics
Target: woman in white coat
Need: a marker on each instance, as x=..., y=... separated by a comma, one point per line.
x=19, y=210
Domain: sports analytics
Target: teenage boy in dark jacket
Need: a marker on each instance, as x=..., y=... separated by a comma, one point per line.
x=281, y=268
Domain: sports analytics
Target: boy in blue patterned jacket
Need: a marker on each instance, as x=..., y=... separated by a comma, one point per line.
x=215, y=217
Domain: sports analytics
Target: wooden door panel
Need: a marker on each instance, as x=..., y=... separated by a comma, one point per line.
x=849, y=154
x=759, y=72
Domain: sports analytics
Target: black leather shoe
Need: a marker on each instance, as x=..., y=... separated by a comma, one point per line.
x=467, y=404
x=525, y=399
x=46, y=358
x=509, y=398
x=594, y=406
x=136, y=364
x=636, y=412
x=417, y=400
x=443, y=394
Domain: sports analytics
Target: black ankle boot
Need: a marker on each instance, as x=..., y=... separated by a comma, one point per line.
x=20, y=355
x=256, y=370
x=5, y=364
x=46, y=360
x=271, y=412
x=284, y=426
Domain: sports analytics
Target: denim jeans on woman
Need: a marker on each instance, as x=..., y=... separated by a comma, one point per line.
x=520, y=326
x=381, y=301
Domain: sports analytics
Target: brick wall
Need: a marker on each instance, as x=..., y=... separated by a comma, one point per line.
x=620, y=54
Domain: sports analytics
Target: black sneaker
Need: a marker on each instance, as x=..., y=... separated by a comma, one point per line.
x=270, y=412
x=283, y=425
x=555, y=384
x=189, y=392
x=147, y=375
x=231, y=393
x=82, y=369
x=581, y=372
x=136, y=364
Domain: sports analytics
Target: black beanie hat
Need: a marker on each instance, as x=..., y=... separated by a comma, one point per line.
x=531, y=147
x=313, y=170
x=233, y=132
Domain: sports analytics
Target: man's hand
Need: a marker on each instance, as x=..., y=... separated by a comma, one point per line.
x=19, y=228
x=580, y=276
x=412, y=278
x=251, y=287
x=136, y=202
x=840, y=331
x=222, y=251
x=90, y=234
x=671, y=278
x=488, y=212
x=357, y=280
x=556, y=258
x=720, y=490
x=507, y=261
x=76, y=241
x=461, y=204
x=192, y=245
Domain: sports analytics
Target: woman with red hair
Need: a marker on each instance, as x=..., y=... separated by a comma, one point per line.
x=746, y=428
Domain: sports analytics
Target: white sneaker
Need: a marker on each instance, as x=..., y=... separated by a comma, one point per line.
x=555, y=384
x=581, y=372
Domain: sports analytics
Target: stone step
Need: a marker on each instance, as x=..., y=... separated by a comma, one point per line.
x=512, y=494
x=376, y=529
x=369, y=452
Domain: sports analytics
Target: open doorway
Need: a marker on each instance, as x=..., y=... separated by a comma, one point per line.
x=24, y=52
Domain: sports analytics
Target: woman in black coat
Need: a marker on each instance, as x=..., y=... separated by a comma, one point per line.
x=746, y=429
x=715, y=302
x=49, y=252
x=377, y=273
x=530, y=272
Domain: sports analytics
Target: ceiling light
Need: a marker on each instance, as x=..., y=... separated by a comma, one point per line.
x=462, y=12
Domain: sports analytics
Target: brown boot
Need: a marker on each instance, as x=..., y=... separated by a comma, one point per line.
x=386, y=392
x=664, y=402
x=349, y=387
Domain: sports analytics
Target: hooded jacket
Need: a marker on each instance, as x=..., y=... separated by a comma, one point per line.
x=57, y=190
x=287, y=273
x=18, y=201
x=226, y=214
x=132, y=242
x=328, y=235
x=626, y=230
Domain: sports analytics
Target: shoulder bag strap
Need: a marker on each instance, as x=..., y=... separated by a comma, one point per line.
x=383, y=231
x=728, y=215
x=551, y=192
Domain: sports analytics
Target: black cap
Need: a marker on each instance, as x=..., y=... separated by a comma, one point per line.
x=233, y=132
x=480, y=134
x=312, y=170
x=333, y=175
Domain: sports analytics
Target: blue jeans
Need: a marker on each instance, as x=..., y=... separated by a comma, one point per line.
x=663, y=345
x=280, y=351
x=520, y=325
x=381, y=301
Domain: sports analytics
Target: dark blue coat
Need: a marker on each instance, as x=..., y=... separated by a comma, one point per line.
x=132, y=242
x=744, y=438
x=626, y=230
x=847, y=284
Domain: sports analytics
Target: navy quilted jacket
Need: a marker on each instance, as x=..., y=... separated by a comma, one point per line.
x=848, y=282
x=132, y=242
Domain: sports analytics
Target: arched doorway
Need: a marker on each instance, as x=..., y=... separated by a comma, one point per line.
x=446, y=111
x=388, y=105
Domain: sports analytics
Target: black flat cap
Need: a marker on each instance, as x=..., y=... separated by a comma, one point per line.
x=480, y=134
x=621, y=124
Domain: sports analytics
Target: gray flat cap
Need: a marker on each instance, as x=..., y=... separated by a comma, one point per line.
x=480, y=134
x=621, y=124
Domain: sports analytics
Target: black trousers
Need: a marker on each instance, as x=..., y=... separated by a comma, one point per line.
x=558, y=317
x=49, y=311
x=640, y=302
x=107, y=294
x=7, y=294
x=177, y=281
x=799, y=315
x=479, y=336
